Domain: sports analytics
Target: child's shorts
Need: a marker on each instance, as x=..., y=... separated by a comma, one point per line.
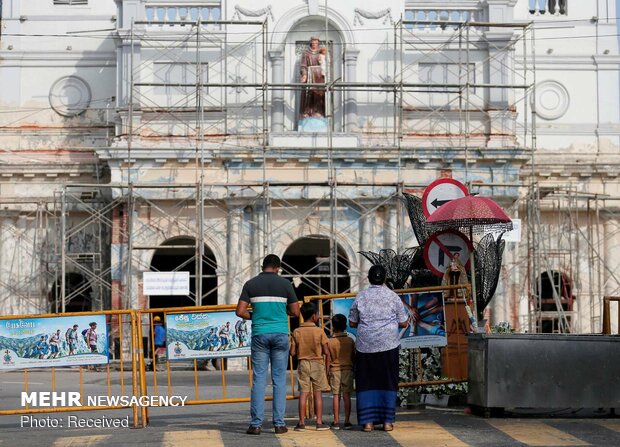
x=341, y=381
x=311, y=372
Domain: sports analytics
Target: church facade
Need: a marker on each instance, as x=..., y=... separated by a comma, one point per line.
x=150, y=135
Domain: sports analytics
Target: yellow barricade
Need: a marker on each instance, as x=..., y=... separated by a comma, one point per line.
x=121, y=328
x=151, y=385
x=126, y=330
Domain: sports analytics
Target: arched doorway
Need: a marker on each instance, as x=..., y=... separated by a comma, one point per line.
x=78, y=294
x=306, y=262
x=179, y=255
x=546, y=303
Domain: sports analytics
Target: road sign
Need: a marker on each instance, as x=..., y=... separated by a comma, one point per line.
x=440, y=192
x=440, y=247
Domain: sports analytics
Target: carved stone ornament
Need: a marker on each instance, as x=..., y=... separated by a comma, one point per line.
x=385, y=14
x=70, y=96
x=552, y=100
x=241, y=11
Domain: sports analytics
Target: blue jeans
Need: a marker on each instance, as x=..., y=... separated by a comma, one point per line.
x=265, y=348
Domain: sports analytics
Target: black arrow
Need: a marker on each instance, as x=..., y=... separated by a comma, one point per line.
x=437, y=203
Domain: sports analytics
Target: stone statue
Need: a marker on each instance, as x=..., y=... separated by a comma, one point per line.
x=313, y=70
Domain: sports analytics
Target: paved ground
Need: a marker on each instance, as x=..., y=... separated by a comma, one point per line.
x=224, y=425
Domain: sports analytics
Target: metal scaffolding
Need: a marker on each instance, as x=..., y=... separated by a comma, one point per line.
x=193, y=90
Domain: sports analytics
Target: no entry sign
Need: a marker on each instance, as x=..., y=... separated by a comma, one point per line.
x=441, y=191
x=440, y=248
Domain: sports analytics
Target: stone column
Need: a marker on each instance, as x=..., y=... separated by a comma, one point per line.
x=235, y=253
x=128, y=57
x=350, y=100
x=277, y=96
x=501, y=63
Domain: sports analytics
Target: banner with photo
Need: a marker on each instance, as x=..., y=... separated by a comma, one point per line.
x=206, y=335
x=53, y=342
x=425, y=311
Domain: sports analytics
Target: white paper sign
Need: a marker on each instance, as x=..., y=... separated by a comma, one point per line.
x=166, y=283
x=513, y=235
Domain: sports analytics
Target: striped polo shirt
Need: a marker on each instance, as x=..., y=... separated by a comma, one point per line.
x=268, y=294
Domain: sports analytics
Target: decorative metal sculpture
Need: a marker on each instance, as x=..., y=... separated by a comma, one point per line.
x=398, y=266
x=417, y=218
x=488, y=255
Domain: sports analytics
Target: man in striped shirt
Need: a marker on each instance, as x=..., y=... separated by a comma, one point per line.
x=271, y=297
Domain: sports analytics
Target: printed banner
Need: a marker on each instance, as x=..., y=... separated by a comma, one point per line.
x=427, y=327
x=53, y=341
x=207, y=335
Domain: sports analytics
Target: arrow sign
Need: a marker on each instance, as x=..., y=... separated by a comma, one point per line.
x=440, y=248
x=437, y=203
x=440, y=192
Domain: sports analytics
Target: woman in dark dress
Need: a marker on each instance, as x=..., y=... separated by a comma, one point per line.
x=377, y=313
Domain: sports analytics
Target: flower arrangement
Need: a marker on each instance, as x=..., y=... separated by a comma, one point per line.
x=502, y=327
x=431, y=370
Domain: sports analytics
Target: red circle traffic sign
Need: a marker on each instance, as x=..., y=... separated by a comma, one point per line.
x=441, y=191
x=440, y=247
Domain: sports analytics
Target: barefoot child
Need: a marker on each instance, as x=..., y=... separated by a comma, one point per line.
x=310, y=344
x=342, y=352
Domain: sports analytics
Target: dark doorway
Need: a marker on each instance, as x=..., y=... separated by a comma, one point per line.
x=78, y=294
x=181, y=257
x=546, y=303
x=306, y=262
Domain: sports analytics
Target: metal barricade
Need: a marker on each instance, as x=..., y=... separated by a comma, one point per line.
x=121, y=329
x=457, y=321
x=607, y=313
x=154, y=385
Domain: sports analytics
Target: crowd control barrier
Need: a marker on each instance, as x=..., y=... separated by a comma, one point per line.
x=190, y=345
x=52, y=355
x=58, y=352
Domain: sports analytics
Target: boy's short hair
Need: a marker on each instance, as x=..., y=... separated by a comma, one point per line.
x=308, y=309
x=339, y=323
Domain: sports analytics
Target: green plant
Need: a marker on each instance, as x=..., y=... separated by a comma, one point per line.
x=502, y=327
x=405, y=374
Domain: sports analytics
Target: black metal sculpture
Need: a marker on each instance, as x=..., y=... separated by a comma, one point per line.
x=417, y=218
x=397, y=265
x=488, y=260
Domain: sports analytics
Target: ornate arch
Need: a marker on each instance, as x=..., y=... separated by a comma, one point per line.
x=215, y=248
x=295, y=15
x=287, y=240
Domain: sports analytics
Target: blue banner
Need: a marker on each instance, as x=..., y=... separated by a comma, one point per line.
x=53, y=342
x=206, y=335
x=425, y=311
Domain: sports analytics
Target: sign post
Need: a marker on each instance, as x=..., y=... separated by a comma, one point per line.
x=440, y=248
x=440, y=192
